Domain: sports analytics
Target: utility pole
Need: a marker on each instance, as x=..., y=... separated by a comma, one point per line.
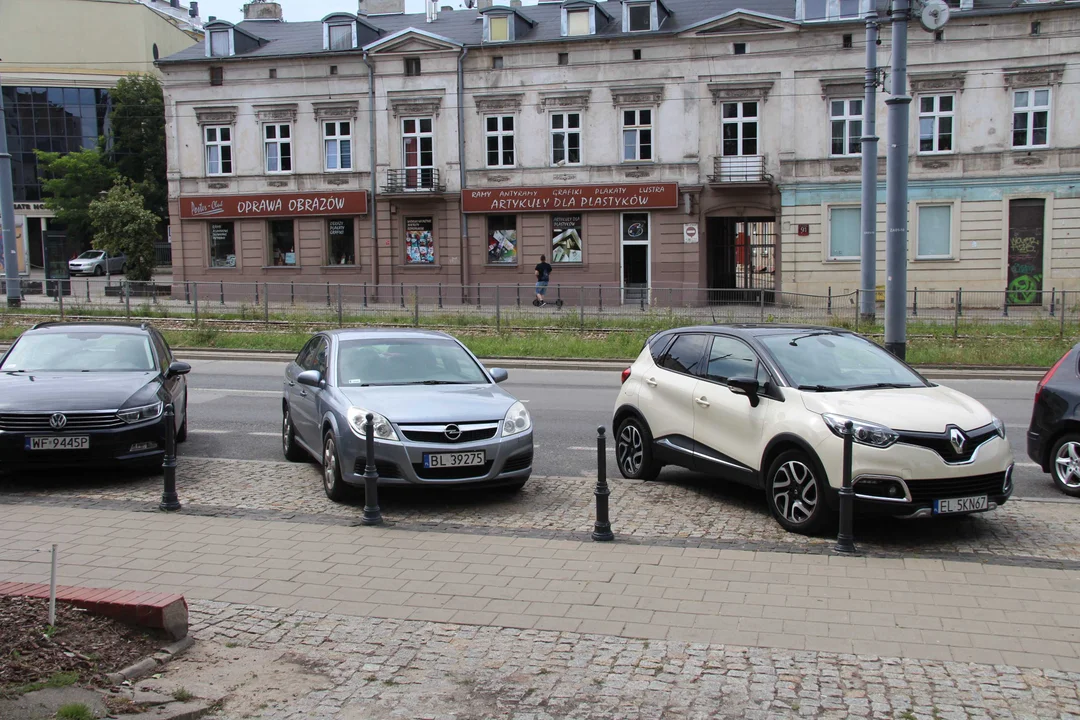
x=868, y=253
x=7, y=218
x=896, y=183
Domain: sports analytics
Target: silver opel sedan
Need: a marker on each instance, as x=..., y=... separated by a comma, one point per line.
x=439, y=416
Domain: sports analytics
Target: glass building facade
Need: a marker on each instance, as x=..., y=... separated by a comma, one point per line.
x=52, y=119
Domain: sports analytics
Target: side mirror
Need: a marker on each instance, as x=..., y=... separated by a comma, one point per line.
x=311, y=378
x=747, y=386
x=499, y=375
x=177, y=368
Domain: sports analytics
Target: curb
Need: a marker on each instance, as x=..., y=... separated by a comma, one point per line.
x=150, y=663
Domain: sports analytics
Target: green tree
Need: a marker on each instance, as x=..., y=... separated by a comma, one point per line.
x=122, y=224
x=137, y=138
x=71, y=183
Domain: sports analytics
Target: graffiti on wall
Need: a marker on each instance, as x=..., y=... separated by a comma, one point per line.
x=1025, y=258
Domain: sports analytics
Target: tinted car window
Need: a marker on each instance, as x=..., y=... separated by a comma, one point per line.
x=162, y=351
x=730, y=358
x=80, y=352
x=658, y=346
x=318, y=356
x=685, y=355
x=304, y=358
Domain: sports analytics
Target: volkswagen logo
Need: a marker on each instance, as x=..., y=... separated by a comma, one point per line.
x=452, y=432
x=58, y=421
x=957, y=440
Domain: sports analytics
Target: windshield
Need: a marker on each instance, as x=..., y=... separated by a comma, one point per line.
x=824, y=361
x=80, y=352
x=90, y=255
x=406, y=361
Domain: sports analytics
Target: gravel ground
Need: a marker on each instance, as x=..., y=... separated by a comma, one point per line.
x=684, y=511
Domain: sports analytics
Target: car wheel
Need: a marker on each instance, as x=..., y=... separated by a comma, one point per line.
x=123, y=269
x=633, y=451
x=796, y=493
x=181, y=434
x=293, y=452
x=334, y=486
x=98, y=271
x=1065, y=464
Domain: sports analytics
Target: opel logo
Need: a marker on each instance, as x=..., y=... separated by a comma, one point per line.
x=57, y=421
x=452, y=432
x=957, y=440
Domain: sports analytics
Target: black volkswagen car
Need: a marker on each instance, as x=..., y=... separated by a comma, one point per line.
x=89, y=395
x=1054, y=435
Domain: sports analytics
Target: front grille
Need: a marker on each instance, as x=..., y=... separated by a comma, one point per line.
x=452, y=473
x=927, y=490
x=518, y=462
x=384, y=469
x=940, y=443
x=439, y=437
x=76, y=422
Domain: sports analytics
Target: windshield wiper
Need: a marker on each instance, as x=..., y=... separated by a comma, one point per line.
x=874, y=386
x=821, y=388
x=417, y=382
x=793, y=340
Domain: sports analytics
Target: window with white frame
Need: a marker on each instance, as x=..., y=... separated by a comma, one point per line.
x=847, y=119
x=337, y=145
x=221, y=43
x=277, y=142
x=498, y=28
x=1031, y=118
x=936, y=113
x=637, y=135
x=578, y=22
x=845, y=230
x=821, y=10
x=340, y=36
x=418, y=153
x=639, y=17
x=566, y=138
x=739, y=128
x=499, y=135
x=218, y=150
x=935, y=232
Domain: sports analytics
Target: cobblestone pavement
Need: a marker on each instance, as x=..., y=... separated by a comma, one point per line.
x=383, y=668
x=685, y=512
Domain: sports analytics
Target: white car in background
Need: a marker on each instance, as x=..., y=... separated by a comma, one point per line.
x=97, y=262
x=767, y=405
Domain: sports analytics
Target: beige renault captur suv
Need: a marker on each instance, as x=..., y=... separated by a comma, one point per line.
x=767, y=406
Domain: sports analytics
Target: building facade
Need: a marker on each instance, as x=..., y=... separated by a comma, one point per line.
x=646, y=144
x=56, y=78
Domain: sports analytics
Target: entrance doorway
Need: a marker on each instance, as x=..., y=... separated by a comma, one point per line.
x=1025, y=271
x=635, y=257
x=741, y=259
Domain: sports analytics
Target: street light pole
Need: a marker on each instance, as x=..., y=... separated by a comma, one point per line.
x=868, y=252
x=896, y=181
x=7, y=218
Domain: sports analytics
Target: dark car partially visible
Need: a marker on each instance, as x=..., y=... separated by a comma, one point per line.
x=1054, y=434
x=89, y=395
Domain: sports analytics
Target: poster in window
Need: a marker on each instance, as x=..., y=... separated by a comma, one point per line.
x=566, y=241
x=419, y=241
x=502, y=239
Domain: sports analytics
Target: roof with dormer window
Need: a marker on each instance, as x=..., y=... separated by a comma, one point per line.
x=506, y=10
x=585, y=5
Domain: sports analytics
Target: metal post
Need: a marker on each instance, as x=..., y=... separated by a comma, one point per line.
x=1005, y=304
x=52, y=588
x=416, y=305
x=87, y=291
x=1061, y=317
x=327, y=294
x=222, y=292
x=960, y=301
x=266, y=303
x=1053, y=296
x=440, y=296
x=7, y=220
x=402, y=288
x=868, y=248
x=581, y=302
x=187, y=293
x=896, y=183
x=365, y=294
x=498, y=309
x=127, y=295
x=761, y=303
x=845, y=538
x=256, y=294
x=60, y=297
x=641, y=300
x=195, y=297
x=519, y=294
x=340, y=309
x=292, y=292
x=169, y=499
x=600, y=291
x=857, y=294
x=915, y=302
x=602, y=527
x=372, y=512
x=828, y=302
x=956, y=316
x=478, y=303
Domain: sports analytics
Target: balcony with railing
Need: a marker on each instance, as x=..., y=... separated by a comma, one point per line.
x=739, y=169
x=413, y=180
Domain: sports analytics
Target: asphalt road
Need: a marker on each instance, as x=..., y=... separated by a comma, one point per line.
x=235, y=412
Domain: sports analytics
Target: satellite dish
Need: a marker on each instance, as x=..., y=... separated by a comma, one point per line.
x=934, y=15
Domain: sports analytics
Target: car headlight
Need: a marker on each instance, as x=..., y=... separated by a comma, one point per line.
x=141, y=414
x=999, y=428
x=864, y=433
x=358, y=422
x=517, y=420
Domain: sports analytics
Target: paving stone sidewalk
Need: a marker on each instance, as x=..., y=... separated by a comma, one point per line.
x=898, y=607
x=375, y=668
x=684, y=511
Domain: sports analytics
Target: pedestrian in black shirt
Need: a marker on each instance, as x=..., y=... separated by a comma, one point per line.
x=543, y=274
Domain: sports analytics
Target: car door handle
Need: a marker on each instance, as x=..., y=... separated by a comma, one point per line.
x=303, y=393
x=702, y=401
x=292, y=384
x=651, y=382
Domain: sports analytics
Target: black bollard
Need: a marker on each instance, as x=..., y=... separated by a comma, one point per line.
x=169, y=500
x=372, y=513
x=845, y=538
x=602, y=527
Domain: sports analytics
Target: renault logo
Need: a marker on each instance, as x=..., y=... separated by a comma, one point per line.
x=957, y=440
x=452, y=432
x=57, y=421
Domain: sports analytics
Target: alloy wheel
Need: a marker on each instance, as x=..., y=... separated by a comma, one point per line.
x=329, y=465
x=795, y=492
x=286, y=432
x=630, y=449
x=1067, y=465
